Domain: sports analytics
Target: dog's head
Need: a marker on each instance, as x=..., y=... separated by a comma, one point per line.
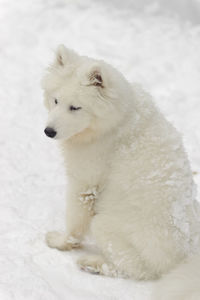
x=85, y=97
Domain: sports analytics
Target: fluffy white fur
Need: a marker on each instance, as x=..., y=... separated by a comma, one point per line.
x=130, y=183
x=183, y=283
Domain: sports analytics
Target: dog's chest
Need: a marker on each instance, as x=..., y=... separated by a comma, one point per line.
x=90, y=165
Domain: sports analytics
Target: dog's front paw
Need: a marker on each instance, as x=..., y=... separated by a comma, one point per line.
x=61, y=241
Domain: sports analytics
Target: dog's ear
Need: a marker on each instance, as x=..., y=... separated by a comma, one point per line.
x=65, y=56
x=95, y=76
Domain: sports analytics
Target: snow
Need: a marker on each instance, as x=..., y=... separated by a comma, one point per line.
x=153, y=42
x=88, y=198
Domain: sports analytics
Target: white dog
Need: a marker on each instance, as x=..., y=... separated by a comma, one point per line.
x=130, y=182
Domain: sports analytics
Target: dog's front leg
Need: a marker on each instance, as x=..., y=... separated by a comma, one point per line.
x=79, y=212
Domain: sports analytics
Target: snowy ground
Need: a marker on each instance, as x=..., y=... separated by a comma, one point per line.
x=156, y=44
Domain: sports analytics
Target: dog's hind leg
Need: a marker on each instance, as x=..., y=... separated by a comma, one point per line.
x=96, y=264
x=121, y=257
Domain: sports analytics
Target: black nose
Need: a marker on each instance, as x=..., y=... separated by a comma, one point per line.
x=50, y=132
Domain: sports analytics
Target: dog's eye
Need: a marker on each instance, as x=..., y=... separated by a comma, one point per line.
x=74, y=107
x=56, y=101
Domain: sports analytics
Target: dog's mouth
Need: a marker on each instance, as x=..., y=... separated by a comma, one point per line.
x=85, y=134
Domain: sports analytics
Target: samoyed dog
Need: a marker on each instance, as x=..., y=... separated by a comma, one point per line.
x=130, y=182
